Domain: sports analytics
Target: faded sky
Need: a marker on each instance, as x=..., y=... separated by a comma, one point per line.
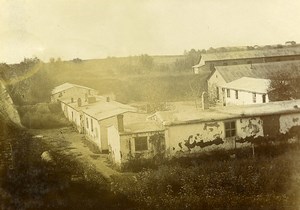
x=100, y=28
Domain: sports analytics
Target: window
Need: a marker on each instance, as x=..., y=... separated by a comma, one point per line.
x=236, y=94
x=141, y=143
x=225, y=64
x=235, y=63
x=228, y=93
x=87, y=123
x=230, y=129
x=254, y=97
x=218, y=96
x=92, y=128
x=249, y=62
x=264, y=98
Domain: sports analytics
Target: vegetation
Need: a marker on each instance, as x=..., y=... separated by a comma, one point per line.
x=285, y=85
x=145, y=78
x=28, y=182
x=219, y=182
x=42, y=116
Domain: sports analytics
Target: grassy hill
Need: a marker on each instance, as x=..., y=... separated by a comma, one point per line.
x=131, y=79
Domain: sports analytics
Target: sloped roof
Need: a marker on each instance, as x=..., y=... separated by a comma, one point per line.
x=101, y=109
x=235, y=112
x=261, y=53
x=255, y=85
x=258, y=70
x=141, y=127
x=66, y=86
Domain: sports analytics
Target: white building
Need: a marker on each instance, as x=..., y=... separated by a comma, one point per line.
x=94, y=116
x=230, y=127
x=174, y=133
x=245, y=90
x=221, y=75
x=138, y=140
x=71, y=91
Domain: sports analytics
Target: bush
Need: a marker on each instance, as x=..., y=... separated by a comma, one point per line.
x=42, y=116
x=252, y=183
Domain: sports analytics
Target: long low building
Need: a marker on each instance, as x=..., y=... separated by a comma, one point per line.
x=93, y=116
x=222, y=75
x=185, y=133
x=68, y=91
x=245, y=90
x=208, y=61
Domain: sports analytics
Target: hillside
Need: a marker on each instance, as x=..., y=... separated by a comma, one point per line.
x=131, y=79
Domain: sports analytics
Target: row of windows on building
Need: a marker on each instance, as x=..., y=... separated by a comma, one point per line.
x=228, y=94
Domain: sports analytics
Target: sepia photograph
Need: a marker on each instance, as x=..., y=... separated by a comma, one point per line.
x=149, y=104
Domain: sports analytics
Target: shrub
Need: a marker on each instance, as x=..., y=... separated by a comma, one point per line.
x=255, y=183
x=42, y=116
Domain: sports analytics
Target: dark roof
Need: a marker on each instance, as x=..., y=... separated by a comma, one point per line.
x=259, y=70
x=261, y=53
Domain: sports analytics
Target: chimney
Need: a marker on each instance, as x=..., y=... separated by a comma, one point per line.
x=107, y=99
x=79, y=102
x=205, y=104
x=72, y=100
x=120, y=123
x=91, y=100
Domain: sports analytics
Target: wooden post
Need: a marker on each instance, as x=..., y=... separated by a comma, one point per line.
x=253, y=152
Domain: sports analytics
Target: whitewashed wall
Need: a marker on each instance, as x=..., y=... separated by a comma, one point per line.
x=114, y=144
x=104, y=124
x=215, y=81
x=94, y=133
x=74, y=92
x=195, y=138
x=287, y=121
x=243, y=98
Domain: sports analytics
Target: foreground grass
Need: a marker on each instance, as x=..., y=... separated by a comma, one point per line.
x=28, y=182
x=264, y=182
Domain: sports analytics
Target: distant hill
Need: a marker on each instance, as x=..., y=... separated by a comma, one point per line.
x=131, y=79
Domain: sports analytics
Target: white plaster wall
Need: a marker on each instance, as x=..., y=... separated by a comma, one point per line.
x=215, y=81
x=104, y=124
x=287, y=121
x=74, y=92
x=95, y=133
x=114, y=144
x=123, y=151
x=249, y=127
x=243, y=98
x=178, y=135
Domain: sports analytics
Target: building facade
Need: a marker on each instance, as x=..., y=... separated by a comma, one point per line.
x=72, y=92
x=245, y=90
x=175, y=134
x=94, y=116
x=221, y=76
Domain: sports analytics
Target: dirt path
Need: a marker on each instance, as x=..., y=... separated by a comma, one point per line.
x=68, y=142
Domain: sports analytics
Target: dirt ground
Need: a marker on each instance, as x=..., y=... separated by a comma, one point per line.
x=68, y=142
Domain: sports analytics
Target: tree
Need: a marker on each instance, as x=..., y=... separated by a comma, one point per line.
x=285, y=85
x=146, y=62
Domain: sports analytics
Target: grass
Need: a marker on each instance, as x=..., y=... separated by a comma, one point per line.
x=42, y=116
x=65, y=184
x=263, y=182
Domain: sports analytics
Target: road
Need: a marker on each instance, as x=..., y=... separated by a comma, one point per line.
x=68, y=142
